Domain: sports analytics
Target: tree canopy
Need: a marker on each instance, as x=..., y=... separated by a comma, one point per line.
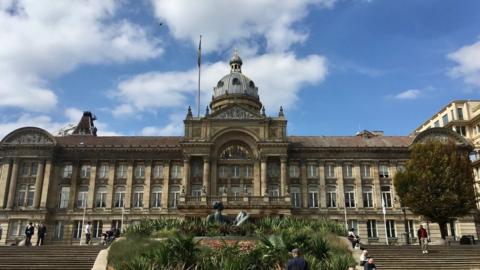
x=437, y=182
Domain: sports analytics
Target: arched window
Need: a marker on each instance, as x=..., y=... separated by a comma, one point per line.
x=236, y=81
x=235, y=152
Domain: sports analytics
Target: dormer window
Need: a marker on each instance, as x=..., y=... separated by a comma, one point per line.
x=220, y=84
x=236, y=81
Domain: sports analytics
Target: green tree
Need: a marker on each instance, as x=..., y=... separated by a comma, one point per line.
x=437, y=182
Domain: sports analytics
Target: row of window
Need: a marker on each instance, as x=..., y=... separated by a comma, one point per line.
x=121, y=171
x=17, y=228
x=119, y=197
x=445, y=118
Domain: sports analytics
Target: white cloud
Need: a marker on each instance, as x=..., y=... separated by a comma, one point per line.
x=42, y=40
x=467, y=59
x=408, y=94
x=279, y=77
x=173, y=128
x=225, y=22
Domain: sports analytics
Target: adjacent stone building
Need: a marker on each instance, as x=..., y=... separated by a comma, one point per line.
x=234, y=153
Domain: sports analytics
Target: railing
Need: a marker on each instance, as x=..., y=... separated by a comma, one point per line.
x=235, y=201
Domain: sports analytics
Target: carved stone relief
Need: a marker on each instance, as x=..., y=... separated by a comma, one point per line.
x=31, y=139
x=236, y=113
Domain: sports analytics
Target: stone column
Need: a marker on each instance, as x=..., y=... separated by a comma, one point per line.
x=47, y=175
x=38, y=184
x=73, y=185
x=128, y=186
x=91, y=185
x=110, y=184
x=186, y=175
x=206, y=175
x=3, y=182
x=358, y=185
x=283, y=176
x=13, y=184
x=166, y=179
x=147, y=184
x=322, y=187
x=257, y=188
x=340, y=185
x=263, y=177
x=304, y=184
x=213, y=178
x=377, y=200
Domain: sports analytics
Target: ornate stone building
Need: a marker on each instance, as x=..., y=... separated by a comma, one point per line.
x=234, y=153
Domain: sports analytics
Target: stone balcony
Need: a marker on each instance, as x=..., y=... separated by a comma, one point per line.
x=235, y=202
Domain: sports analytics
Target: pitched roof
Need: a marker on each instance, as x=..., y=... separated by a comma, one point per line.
x=349, y=141
x=119, y=141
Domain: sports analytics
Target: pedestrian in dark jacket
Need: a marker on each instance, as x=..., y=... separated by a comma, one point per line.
x=298, y=262
x=370, y=265
x=423, y=237
x=42, y=231
x=29, y=230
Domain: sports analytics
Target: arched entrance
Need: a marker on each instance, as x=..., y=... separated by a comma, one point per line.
x=235, y=167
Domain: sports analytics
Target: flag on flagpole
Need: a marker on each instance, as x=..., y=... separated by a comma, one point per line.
x=199, y=57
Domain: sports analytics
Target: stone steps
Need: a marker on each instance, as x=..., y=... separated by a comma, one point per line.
x=439, y=257
x=48, y=257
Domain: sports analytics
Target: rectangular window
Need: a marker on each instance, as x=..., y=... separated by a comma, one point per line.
x=85, y=171
x=21, y=194
x=103, y=171
x=273, y=170
x=312, y=171
x=383, y=171
x=460, y=113
x=437, y=123
x=391, y=233
x=248, y=171
x=17, y=228
x=119, y=197
x=176, y=171
x=24, y=169
x=158, y=171
x=30, y=195
x=33, y=169
x=372, y=228
x=331, y=196
x=235, y=171
x=461, y=130
x=196, y=191
x=58, y=230
x=82, y=197
x=348, y=171
x=67, y=171
x=77, y=229
x=64, y=197
x=97, y=229
x=140, y=171
x=197, y=169
x=353, y=223
x=386, y=196
x=222, y=171
x=173, y=196
x=117, y=224
x=295, y=196
x=138, y=197
x=122, y=171
x=367, y=196
x=235, y=191
x=366, y=171
x=349, y=197
x=411, y=229
x=445, y=119
x=156, y=198
x=330, y=170
x=101, y=197
x=273, y=191
x=313, y=197
x=294, y=171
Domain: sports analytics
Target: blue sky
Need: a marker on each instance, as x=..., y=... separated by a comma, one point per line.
x=337, y=66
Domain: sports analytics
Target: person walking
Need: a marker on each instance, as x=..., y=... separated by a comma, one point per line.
x=297, y=262
x=370, y=265
x=29, y=230
x=88, y=233
x=363, y=256
x=42, y=231
x=423, y=237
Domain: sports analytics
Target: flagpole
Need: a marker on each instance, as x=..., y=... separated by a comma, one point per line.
x=199, y=70
x=121, y=222
x=384, y=210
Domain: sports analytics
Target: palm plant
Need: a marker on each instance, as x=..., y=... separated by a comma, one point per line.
x=274, y=251
x=184, y=250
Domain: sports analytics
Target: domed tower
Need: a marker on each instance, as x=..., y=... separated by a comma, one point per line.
x=235, y=88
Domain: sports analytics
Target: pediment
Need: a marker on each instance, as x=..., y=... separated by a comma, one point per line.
x=235, y=112
x=29, y=136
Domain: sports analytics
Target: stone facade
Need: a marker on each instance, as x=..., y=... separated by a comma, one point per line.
x=234, y=153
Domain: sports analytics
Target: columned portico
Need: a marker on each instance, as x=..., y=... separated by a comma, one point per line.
x=38, y=184
x=206, y=175
x=13, y=184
